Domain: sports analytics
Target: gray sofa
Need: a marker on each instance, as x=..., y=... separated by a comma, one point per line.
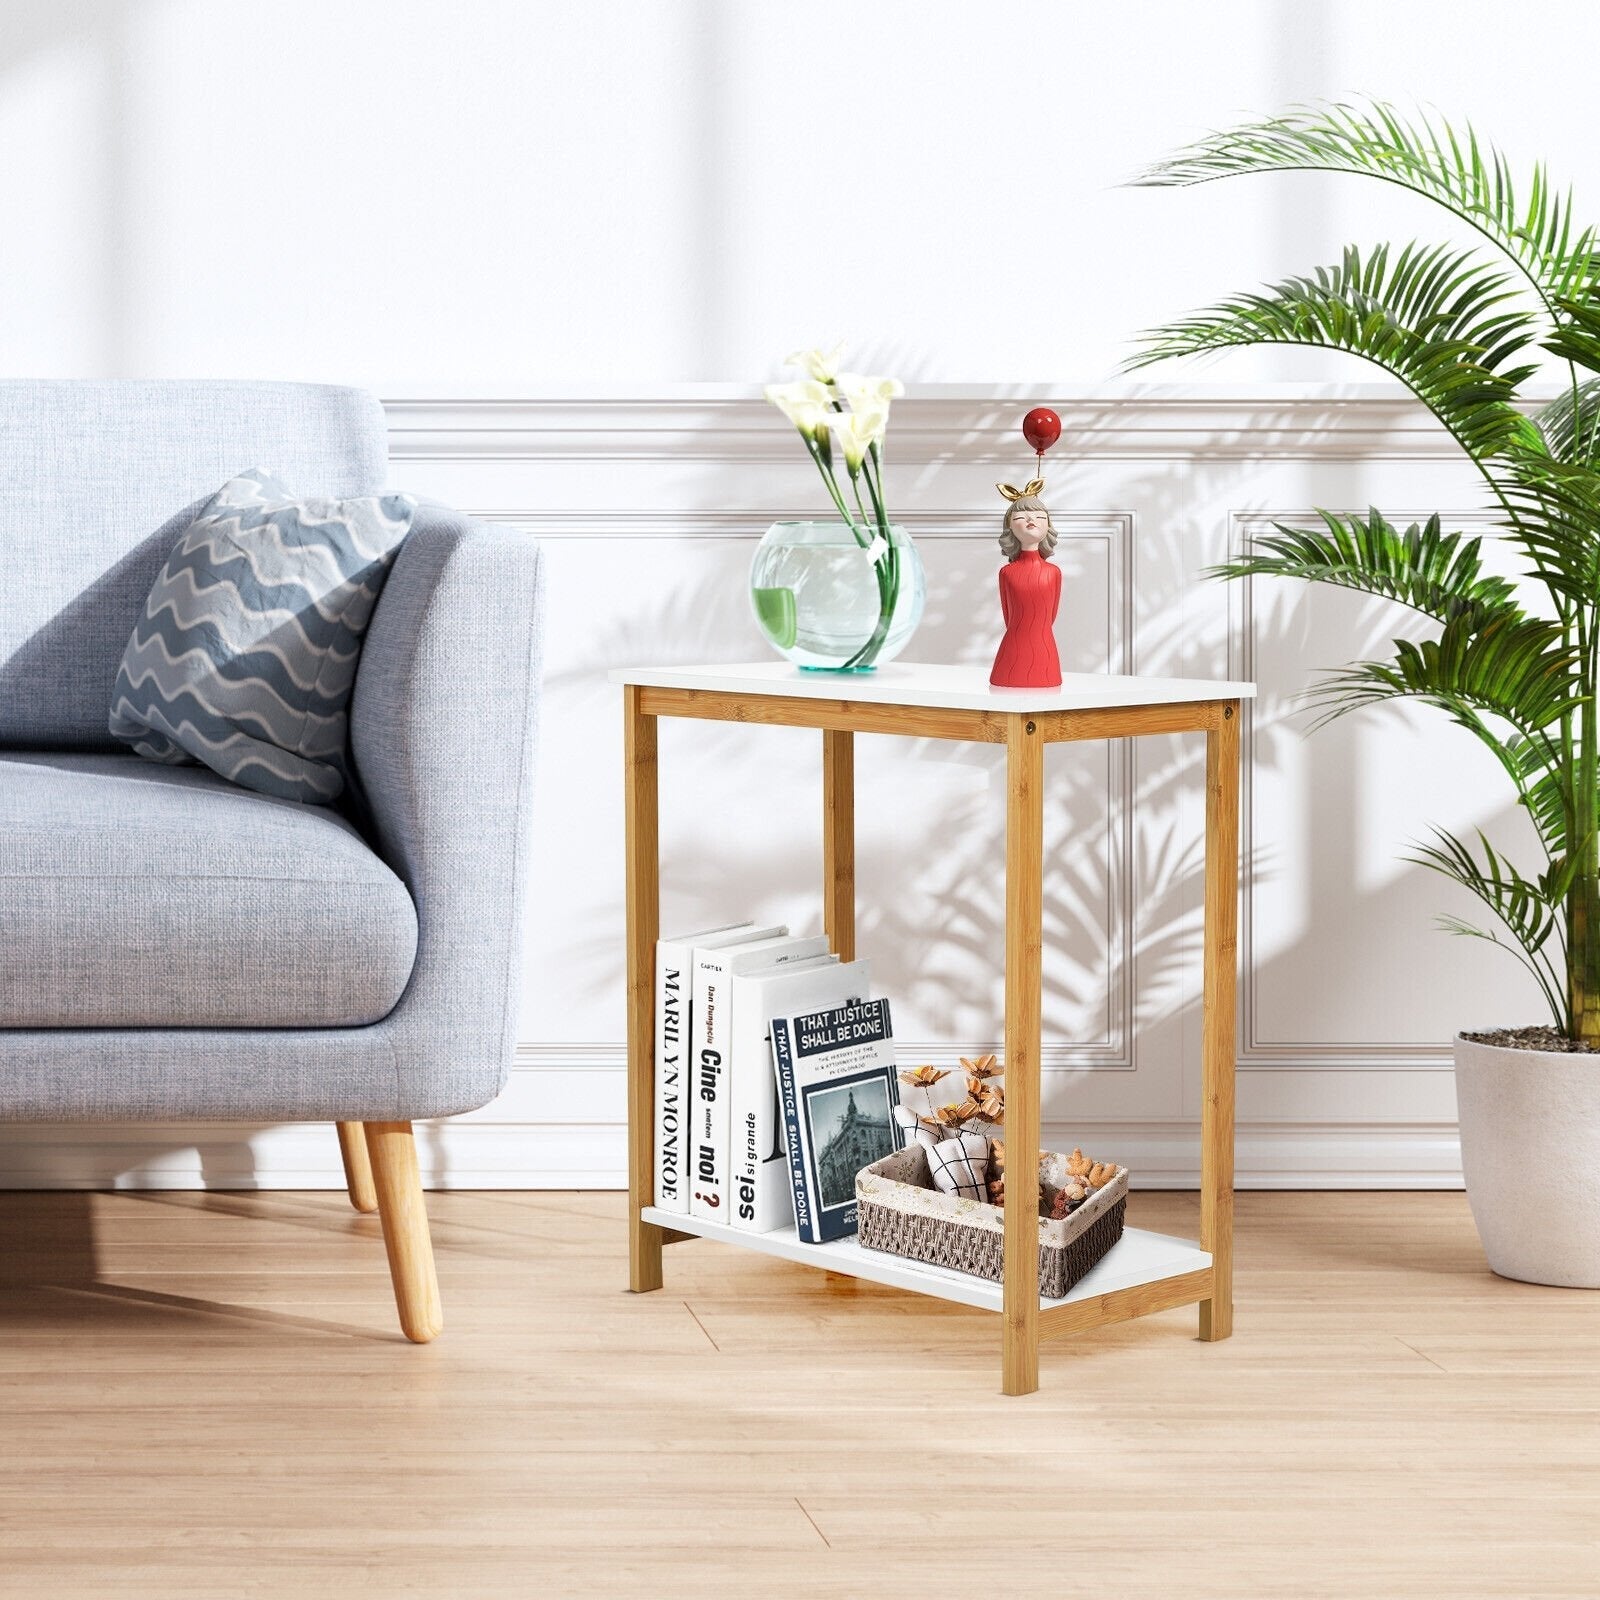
x=174, y=947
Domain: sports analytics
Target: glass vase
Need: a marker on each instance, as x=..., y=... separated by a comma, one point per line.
x=836, y=598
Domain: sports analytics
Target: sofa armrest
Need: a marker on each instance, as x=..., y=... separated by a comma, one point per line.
x=443, y=722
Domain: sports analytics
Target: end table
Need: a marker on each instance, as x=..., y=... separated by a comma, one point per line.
x=1146, y=1271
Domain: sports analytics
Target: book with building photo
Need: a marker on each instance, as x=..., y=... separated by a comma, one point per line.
x=760, y=1195
x=837, y=1088
x=707, y=1099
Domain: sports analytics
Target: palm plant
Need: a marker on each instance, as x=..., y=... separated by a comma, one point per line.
x=1463, y=329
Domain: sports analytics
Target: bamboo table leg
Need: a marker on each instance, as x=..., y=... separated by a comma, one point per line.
x=643, y=916
x=1217, y=1023
x=1024, y=942
x=839, y=841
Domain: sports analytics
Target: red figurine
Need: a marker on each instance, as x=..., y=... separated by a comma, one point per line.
x=1030, y=593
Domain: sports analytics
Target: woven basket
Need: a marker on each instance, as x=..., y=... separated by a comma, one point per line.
x=899, y=1210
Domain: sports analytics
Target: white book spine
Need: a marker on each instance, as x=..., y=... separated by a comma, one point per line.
x=674, y=980
x=762, y=1198
x=673, y=1038
x=758, y=1190
x=708, y=1096
x=705, y=1067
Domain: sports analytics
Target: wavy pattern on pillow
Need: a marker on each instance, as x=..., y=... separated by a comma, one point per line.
x=246, y=652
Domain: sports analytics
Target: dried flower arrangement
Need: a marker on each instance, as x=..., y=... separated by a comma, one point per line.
x=1084, y=1176
x=985, y=1100
x=959, y=1153
x=965, y=1160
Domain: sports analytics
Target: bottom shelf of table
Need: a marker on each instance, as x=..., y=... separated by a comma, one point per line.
x=1138, y=1258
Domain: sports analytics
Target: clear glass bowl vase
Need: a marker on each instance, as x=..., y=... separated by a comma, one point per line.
x=835, y=598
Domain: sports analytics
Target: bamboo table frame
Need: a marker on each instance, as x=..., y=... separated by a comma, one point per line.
x=1024, y=734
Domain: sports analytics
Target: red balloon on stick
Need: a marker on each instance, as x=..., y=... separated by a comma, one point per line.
x=1041, y=428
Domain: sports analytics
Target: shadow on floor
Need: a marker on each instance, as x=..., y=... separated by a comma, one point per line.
x=52, y=1275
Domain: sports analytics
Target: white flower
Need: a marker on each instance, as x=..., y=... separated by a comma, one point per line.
x=818, y=365
x=857, y=432
x=863, y=392
x=804, y=403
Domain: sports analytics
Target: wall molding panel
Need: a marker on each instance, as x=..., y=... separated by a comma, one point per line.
x=719, y=423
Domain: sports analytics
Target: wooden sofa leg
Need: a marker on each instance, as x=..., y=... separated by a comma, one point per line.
x=405, y=1228
x=357, y=1167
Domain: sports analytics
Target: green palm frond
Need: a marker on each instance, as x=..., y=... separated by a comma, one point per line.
x=1576, y=338
x=1539, y=784
x=1466, y=175
x=1526, y=910
x=1555, y=512
x=1463, y=334
x=1545, y=799
x=1437, y=319
x=1542, y=785
x=1571, y=424
x=1515, y=667
x=1437, y=573
x=1556, y=881
x=1522, y=906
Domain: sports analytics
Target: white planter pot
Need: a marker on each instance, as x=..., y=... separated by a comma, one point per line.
x=1530, y=1152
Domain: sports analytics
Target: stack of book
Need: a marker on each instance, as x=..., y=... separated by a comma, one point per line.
x=774, y=1080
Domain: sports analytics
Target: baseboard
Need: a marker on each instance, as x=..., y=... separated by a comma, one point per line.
x=468, y=1154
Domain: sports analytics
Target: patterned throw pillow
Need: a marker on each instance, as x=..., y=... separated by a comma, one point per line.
x=960, y=1165
x=245, y=654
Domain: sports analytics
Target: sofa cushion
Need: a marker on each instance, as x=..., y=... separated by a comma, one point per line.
x=246, y=650
x=133, y=895
x=97, y=479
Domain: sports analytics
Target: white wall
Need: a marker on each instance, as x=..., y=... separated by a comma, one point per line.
x=533, y=228
x=482, y=193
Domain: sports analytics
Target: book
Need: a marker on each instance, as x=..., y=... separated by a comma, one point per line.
x=674, y=982
x=837, y=1087
x=759, y=1192
x=706, y=1098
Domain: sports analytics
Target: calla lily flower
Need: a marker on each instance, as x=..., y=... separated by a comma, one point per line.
x=805, y=404
x=857, y=432
x=818, y=365
x=864, y=392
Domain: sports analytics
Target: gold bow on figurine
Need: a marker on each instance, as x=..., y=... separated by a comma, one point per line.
x=1011, y=492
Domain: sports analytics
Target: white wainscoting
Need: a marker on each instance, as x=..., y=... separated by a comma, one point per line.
x=649, y=505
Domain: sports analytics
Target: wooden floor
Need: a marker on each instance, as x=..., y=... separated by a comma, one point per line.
x=207, y=1395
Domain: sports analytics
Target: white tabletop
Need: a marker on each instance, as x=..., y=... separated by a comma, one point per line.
x=963, y=687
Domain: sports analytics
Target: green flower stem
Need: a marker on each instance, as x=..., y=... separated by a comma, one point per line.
x=886, y=571
x=873, y=467
x=855, y=489
x=868, y=653
x=833, y=489
x=830, y=481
